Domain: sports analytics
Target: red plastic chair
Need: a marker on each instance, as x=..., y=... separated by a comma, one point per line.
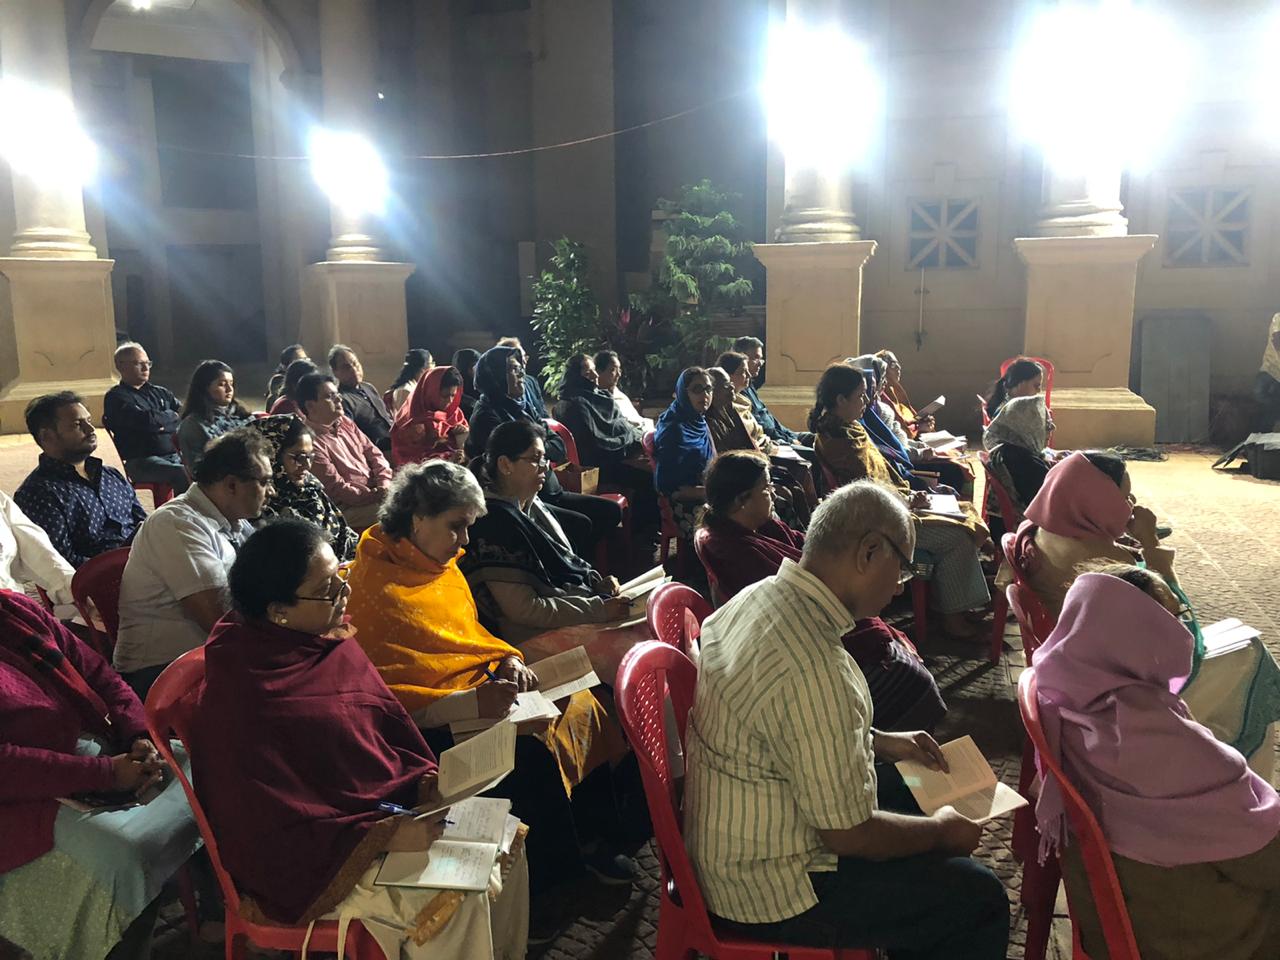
x=675, y=613
x=1046, y=365
x=571, y=450
x=1108, y=898
x=161, y=493
x=170, y=706
x=717, y=595
x=649, y=674
x=669, y=530
x=97, y=582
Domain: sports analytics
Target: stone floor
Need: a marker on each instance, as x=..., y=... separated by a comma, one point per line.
x=1228, y=561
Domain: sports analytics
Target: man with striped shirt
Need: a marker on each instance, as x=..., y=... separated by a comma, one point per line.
x=785, y=808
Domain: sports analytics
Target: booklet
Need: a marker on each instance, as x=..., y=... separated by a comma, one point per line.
x=565, y=674
x=644, y=584
x=529, y=706
x=930, y=408
x=1227, y=636
x=474, y=766
x=448, y=865
x=942, y=441
x=971, y=786
x=477, y=820
x=944, y=505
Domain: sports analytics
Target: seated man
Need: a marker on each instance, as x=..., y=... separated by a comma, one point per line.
x=27, y=557
x=361, y=401
x=353, y=471
x=753, y=348
x=174, y=587
x=143, y=419
x=85, y=507
x=785, y=806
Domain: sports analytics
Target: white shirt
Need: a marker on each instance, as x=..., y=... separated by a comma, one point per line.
x=27, y=556
x=629, y=411
x=185, y=547
x=779, y=747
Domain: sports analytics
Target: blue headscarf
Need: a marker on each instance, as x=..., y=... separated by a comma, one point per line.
x=682, y=444
x=491, y=384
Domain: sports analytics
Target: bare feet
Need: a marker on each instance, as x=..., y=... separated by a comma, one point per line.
x=958, y=626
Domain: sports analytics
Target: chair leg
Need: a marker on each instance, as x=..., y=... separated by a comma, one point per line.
x=1000, y=617
x=920, y=611
x=1039, y=892
x=187, y=894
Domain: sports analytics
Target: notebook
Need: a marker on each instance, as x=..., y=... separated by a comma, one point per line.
x=529, y=706
x=970, y=786
x=478, y=828
x=1227, y=636
x=944, y=505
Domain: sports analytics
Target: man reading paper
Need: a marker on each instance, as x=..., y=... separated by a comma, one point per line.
x=791, y=824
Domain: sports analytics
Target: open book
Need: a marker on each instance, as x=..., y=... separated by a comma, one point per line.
x=476, y=831
x=643, y=585
x=529, y=707
x=941, y=441
x=1227, y=636
x=971, y=786
x=565, y=674
x=944, y=505
x=475, y=765
x=931, y=408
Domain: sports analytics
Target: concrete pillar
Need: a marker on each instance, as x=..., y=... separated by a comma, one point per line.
x=1081, y=205
x=57, y=329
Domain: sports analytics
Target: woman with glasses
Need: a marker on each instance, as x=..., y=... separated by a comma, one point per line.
x=742, y=542
x=683, y=448
x=847, y=453
x=295, y=745
x=521, y=566
x=297, y=493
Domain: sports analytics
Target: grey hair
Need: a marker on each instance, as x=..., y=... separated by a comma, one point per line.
x=126, y=347
x=428, y=490
x=851, y=512
x=870, y=363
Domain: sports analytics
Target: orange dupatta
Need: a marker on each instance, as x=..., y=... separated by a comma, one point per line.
x=417, y=621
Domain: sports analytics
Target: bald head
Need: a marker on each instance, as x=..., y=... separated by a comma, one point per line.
x=133, y=363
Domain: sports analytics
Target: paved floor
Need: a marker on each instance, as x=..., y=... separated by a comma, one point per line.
x=1228, y=562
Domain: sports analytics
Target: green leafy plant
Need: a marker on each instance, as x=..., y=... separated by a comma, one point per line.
x=566, y=314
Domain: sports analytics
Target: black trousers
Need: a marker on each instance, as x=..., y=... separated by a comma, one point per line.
x=586, y=520
x=927, y=907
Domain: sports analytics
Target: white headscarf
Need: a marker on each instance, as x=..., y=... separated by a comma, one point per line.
x=1271, y=356
x=1022, y=421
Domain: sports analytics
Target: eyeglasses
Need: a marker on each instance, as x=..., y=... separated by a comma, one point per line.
x=698, y=388
x=539, y=462
x=303, y=459
x=344, y=589
x=263, y=482
x=1184, y=611
x=907, y=567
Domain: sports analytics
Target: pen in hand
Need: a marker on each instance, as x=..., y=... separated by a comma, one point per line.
x=395, y=808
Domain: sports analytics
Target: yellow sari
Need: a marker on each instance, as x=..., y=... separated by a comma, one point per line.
x=417, y=622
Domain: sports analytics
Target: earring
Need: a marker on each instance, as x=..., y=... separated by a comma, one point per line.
x=282, y=621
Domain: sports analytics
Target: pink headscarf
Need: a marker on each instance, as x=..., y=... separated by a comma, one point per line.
x=1080, y=501
x=1165, y=792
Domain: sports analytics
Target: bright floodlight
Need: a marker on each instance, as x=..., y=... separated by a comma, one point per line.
x=1098, y=86
x=41, y=137
x=349, y=170
x=821, y=96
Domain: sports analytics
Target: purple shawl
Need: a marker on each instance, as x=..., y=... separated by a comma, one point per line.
x=1165, y=792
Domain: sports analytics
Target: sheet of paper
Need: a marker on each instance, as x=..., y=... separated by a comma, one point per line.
x=989, y=803
x=509, y=833
x=565, y=674
x=936, y=437
x=488, y=756
x=944, y=505
x=969, y=773
x=477, y=820
x=529, y=707
x=784, y=452
x=448, y=865
x=933, y=407
x=1227, y=636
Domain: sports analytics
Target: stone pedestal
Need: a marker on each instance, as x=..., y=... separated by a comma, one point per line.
x=57, y=332
x=812, y=317
x=1080, y=298
x=361, y=304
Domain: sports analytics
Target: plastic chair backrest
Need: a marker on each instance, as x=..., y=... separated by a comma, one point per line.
x=98, y=580
x=1010, y=514
x=1046, y=365
x=170, y=706
x=1034, y=622
x=699, y=542
x=566, y=435
x=1108, y=898
x=648, y=674
x=665, y=613
x=982, y=408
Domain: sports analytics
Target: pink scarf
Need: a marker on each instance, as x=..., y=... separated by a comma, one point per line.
x=1165, y=792
x=1080, y=501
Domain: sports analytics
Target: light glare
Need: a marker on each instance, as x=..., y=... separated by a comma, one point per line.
x=821, y=96
x=1098, y=86
x=41, y=137
x=349, y=170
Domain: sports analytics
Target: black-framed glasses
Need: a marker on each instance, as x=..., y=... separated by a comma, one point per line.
x=540, y=462
x=344, y=589
x=302, y=459
x=908, y=567
x=263, y=482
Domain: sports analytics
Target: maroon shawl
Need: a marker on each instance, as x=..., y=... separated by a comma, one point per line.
x=296, y=741
x=739, y=557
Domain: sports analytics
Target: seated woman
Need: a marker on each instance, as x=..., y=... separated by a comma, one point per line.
x=521, y=567
x=431, y=424
x=846, y=451
x=211, y=409
x=295, y=492
x=1017, y=438
x=275, y=386
x=464, y=361
x=295, y=744
x=1024, y=378
x=605, y=438
x=78, y=886
x=728, y=432
x=419, y=625
x=682, y=449
x=1194, y=833
x=287, y=402
x=416, y=363
x=744, y=542
x=894, y=393
x=1081, y=514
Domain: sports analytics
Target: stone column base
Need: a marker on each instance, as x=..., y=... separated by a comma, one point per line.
x=57, y=332
x=791, y=405
x=361, y=304
x=1094, y=417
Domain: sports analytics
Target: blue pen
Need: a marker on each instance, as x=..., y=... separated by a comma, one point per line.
x=386, y=807
x=488, y=671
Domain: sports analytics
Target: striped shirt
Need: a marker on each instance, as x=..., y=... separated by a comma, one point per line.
x=779, y=747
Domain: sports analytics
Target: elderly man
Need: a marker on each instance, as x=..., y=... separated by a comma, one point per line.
x=787, y=815
x=360, y=400
x=85, y=507
x=174, y=587
x=142, y=419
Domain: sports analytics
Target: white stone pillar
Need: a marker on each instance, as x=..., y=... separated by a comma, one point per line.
x=817, y=207
x=49, y=212
x=348, y=56
x=1081, y=205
